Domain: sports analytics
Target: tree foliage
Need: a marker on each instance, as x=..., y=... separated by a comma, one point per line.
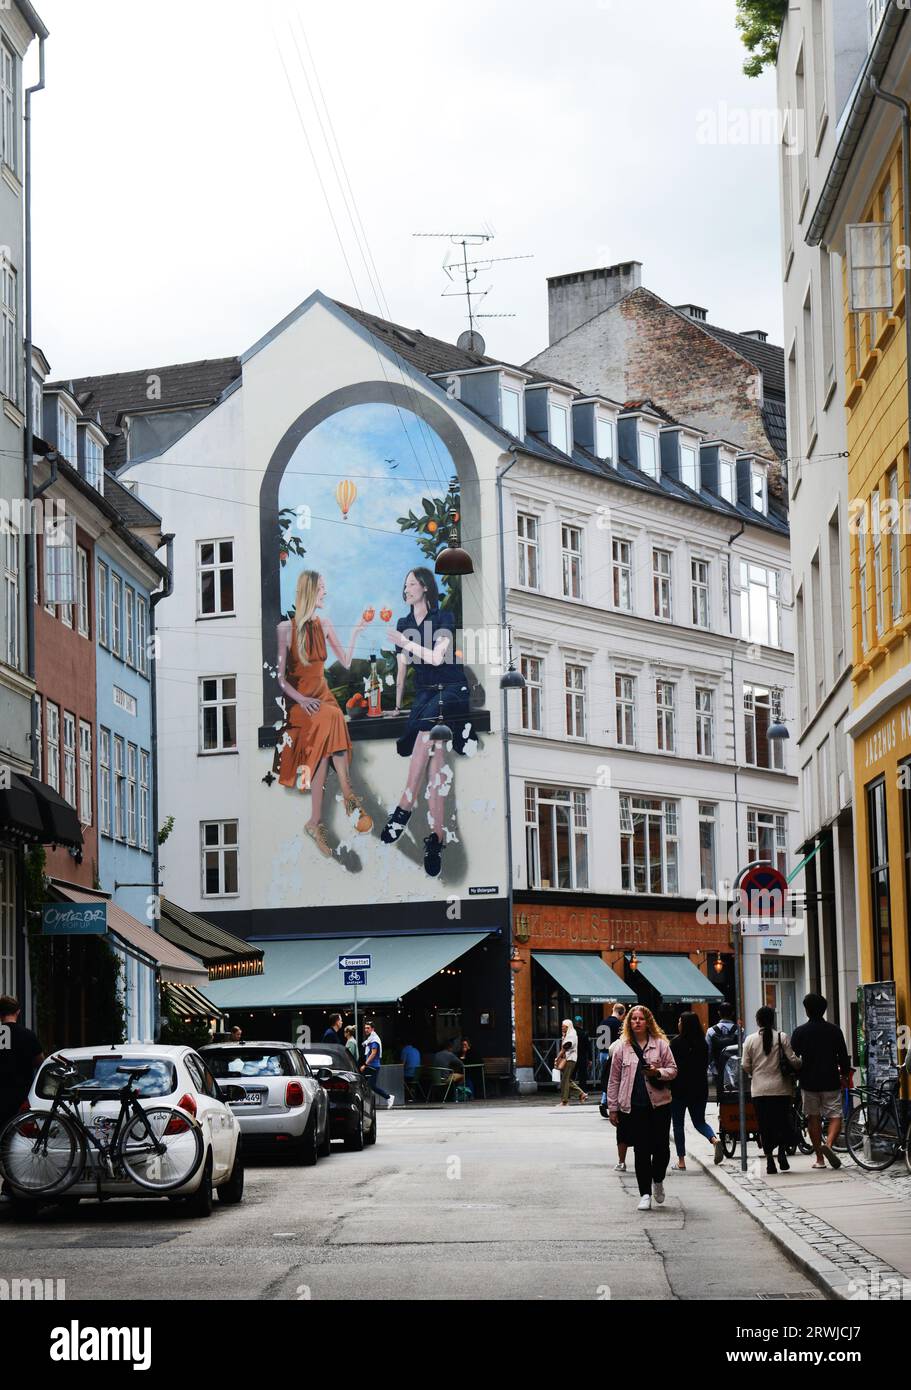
x=759, y=22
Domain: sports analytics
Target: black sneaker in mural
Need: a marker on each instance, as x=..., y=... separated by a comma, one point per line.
x=433, y=855
x=395, y=826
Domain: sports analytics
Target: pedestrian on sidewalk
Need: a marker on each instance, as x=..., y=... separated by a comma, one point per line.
x=351, y=1041
x=568, y=1051
x=333, y=1029
x=690, y=1087
x=641, y=1069
x=373, y=1051
x=721, y=1035
x=771, y=1064
x=624, y=1137
x=823, y=1076
x=20, y=1057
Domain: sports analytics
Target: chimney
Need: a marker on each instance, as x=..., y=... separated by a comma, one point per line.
x=693, y=311
x=574, y=299
x=759, y=334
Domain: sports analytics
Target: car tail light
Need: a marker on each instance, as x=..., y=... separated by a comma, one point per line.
x=176, y=1126
x=336, y=1084
x=294, y=1094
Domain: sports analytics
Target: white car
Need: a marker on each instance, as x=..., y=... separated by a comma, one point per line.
x=283, y=1105
x=164, y=1079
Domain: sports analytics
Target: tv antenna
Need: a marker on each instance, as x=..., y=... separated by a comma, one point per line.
x=459, y=268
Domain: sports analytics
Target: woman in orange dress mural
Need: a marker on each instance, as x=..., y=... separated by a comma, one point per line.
x=315, y=732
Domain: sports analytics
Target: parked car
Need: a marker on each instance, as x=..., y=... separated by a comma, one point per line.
x=283, y=1104
x=163, y=1078
x=352, y=1103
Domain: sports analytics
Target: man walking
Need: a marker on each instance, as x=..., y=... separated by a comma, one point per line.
x=20, y=1058
x=721, y=1035
x=823, y=1076
x=334, y=1029
x=373, y=1051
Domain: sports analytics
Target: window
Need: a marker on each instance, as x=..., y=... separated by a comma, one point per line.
x=767, y=837
x=800, y=619
x=836, y=622
x=705, y=722
x=625, y=693
x=129, y=623
x=760, y=604
x=622, y=552
x=572, y=561
x=94, y=462
x=511, y=408
x=104, y=781
x=819, y=64
x=726, y=481
x=574, y=689
x=217, y=714
x=142, y=633
x=809, y=371
x=894, y=532
x=556, y=835
x=85, y=772
x=9, y=72
x=661, y=576
x=527, y=534
x=862, y=579
x=699, y=570
x=219, y=858
x=824, y=774
x=101, y=604
x=216, y=578
x=648, y=453
x=8, y=919
x=53, y=746
x=878, y=608
x=533, y=694
x=39, y=739
x=880, y=900
x=708, y=813
x=689, y=467
x=828, y=318
x=10, y=333
x=559, y=427
x=37, y=407
x=131, y=793
x=786, y=164
x=145, y=798
x=82, y=591
x=648, y=845
x=604, y=438
x=69, y=758
x=759, y=490
x=666, y=704
x=11, y=545
x=66, y=433
x=116, y=614
x=60, y=583
x=800, y=106
x=120, y=796
x=760, y=709
x=818, y=634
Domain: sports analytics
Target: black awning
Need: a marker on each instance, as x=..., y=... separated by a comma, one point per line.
x=60, y=823
x=20, y=815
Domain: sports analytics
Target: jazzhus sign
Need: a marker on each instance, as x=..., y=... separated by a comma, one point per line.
x=74, y=919
x=893, y=735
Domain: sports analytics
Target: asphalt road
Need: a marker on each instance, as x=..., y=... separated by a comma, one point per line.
x=504, y=1202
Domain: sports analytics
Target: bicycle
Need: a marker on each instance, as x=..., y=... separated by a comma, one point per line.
x=874, y=1133
x=44, y=1152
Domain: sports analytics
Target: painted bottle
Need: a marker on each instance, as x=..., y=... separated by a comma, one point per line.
x=374, y=690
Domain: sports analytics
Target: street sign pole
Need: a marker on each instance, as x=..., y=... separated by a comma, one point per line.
x=741, y=1029
x=357, y=1036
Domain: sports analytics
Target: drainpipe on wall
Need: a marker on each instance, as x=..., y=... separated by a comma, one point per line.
x=29, y=394
x=905, y=111
x=165, y=591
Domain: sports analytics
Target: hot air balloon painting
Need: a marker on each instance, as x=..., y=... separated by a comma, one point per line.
x=345, y=495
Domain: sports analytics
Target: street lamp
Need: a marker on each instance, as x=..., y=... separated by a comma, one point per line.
x=453, y=560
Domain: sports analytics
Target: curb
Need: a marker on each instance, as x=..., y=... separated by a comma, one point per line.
x=823, y=1273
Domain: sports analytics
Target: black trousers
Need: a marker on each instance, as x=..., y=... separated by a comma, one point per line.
x=650, y=1131
x=773, y=1114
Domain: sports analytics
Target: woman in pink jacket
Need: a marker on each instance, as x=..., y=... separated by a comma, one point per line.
x=643, y=1066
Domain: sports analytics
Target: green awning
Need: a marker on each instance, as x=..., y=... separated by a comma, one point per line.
x=305, y=974
x=678, y=980
x=585, y=977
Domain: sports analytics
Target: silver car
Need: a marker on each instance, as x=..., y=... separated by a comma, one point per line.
x=284, y=1107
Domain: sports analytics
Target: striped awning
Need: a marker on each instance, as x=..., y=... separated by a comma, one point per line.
x=188, y=1002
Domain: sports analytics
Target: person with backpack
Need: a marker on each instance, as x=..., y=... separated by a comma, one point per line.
x=690, y=1087
x=823, y=1076
x=721, y=1035
x=771, y=1064
x=642, y=1067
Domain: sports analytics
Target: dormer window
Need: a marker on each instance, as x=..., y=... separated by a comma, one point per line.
x=66, y=433
x=648, y=453
x=511, y=411
x=37, y=406
x=604, y=439
x=94, y=462
x=689, y=466
x=726, y=480
x=759, y=489
x=559, y=427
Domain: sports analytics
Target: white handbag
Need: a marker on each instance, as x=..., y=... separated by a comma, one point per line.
x=556, y=1076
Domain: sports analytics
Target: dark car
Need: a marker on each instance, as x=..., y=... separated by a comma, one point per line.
x=352, y=1104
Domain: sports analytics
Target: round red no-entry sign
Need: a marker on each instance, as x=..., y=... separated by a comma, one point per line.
x=763, y=891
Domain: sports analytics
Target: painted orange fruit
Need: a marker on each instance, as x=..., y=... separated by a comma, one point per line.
x=385, y=614
x=432, y=527
x=369, y=614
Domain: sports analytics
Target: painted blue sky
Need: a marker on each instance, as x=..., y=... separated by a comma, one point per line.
x=365, y=558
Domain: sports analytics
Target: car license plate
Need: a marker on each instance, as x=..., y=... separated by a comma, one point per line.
x=251, y=1098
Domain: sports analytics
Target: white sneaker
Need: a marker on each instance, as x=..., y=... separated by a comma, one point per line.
x=619, y=1167
x=658, y=1191
x=390, y=1102
x=645, y=1203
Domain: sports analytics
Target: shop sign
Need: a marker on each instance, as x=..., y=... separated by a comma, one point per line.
x=74, y=919
x=892, y=736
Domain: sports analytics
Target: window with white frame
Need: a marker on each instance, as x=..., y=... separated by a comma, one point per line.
x=142, y=633
x=10, y=331
x=129, y=625
x=94, y=462
x=11, y=546
x=574, y=690
x=648, y=844
x=878, y=600
x=120, y=791
x=767, y=837
x=895, y=571
x=217, y=714
x=761, y=706
x=760, y=604
x=527, y=542
x=39, y=739
x=66, y=433
x=705, y=722
x=622, y=566
x=532, y=668
x=666, y=708
x=104, y=781
x=700, y=573
x=661, y=578
x=69, y=758
x=9, y=91
x=648, y=453
x=708, y=848
x=53, y=746
x=116, y=613
x=759, y=489
x=604, y=439
x=824, y=771
x=862, y=578
x=60, y=581
x=219, y=858
x=37, y=406
x=689, y=466
x=101, y=603
x=511, y=408
x=132, y=785
x=82, y=591
x=556, y=835
x=145, y=798
x=572, y=561
x=625, y=698
x=559, y=427
x=726, y=480
x=85, y=772
x=215, y=570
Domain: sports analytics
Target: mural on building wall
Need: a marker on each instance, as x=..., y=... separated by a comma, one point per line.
x=368, y=661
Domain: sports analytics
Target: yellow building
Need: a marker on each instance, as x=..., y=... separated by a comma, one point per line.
x=868, y=184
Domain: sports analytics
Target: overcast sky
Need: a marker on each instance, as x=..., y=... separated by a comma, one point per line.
x=177, y=213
